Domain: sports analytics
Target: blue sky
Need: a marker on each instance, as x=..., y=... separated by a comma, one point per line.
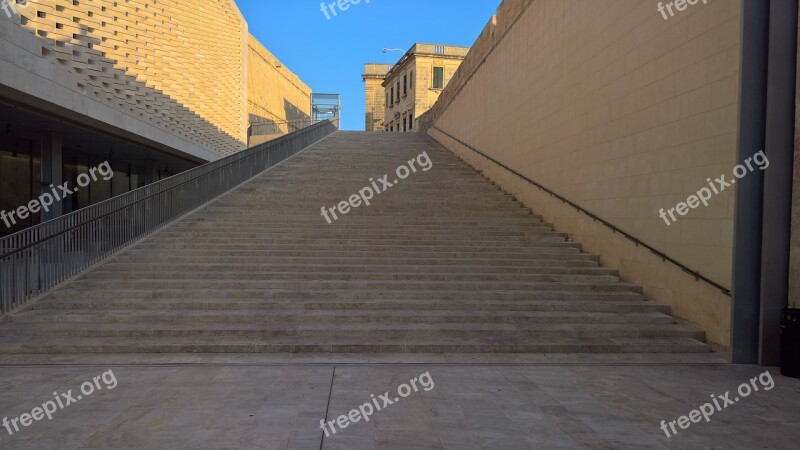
x=329, y=55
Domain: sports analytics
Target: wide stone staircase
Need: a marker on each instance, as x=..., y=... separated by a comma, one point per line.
x=443, y=261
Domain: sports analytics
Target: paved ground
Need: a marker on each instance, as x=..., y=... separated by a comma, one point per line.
x=277, y=402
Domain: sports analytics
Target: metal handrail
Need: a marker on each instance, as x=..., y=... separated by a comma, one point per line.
x=298, y=123
x=664, y=257
x=36, y=259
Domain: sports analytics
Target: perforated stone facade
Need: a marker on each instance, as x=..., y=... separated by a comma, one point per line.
x=181, y=67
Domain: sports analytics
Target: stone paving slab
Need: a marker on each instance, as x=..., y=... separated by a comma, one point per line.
x=471, y=406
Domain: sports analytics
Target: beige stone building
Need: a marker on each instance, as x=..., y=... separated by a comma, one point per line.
x=413, y=85
x=373, y=77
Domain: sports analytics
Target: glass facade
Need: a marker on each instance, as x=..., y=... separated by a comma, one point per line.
x=20, y=180
x=127, y=177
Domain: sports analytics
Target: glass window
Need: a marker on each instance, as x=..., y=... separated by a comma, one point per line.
x=438, y=77
x=80, y=164
x=137, y=177
x=99, y=190
x=121, y=183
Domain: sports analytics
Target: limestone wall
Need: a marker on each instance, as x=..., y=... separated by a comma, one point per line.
x=374, y=95
x=622, y=112
x=278, y=101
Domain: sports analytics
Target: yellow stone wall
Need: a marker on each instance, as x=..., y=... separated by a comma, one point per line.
x=622, y=112
x=278, y=101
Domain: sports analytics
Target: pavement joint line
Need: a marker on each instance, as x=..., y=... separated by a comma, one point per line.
x=328, y=406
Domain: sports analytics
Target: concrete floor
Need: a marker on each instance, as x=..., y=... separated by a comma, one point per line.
x=277, y=402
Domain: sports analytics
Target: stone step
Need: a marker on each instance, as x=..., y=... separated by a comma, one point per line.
x=345, y=330
x=213, y=304
x=403, y=222
x=334, y=233
x=313, y=212
x=352, y=294
x=158, y=318
x=344, y=239
x=423, y=254
x=12, y=345
x=114, y=267
x=410, y=245
x=551, y=260
x=168, y=273
x=379, y=285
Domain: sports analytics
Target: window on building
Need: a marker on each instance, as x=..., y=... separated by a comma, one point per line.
x=386, y=102
x=438, y=77
x=405, y=84
x=405, y=123
x=411, y=80
x=391, y=128
x=392, y=97
x=398, y=95
x=411, y=121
